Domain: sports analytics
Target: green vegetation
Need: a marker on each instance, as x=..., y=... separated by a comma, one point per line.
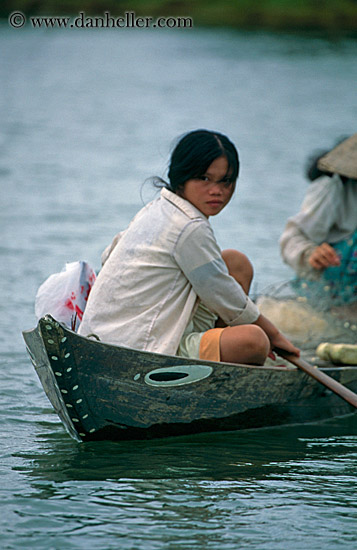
x=328, y=15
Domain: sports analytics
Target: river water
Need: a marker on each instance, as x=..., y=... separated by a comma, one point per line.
x=86, y=116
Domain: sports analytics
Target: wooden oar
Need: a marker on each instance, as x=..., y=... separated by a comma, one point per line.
x=320, y=376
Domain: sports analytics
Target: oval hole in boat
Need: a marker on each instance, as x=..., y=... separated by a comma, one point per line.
x=167, y=376
x=178, y=375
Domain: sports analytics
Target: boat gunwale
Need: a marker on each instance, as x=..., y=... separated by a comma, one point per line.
x=185, y=360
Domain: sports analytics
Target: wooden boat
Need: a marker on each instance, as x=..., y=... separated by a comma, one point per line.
x=101, y=391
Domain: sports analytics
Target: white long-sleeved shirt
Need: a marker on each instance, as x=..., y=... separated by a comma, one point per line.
x=146, y=293
x=328, y=214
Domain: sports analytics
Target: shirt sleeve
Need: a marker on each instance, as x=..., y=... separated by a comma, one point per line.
x=310, y=227
x=295, y=247
x=199, y=257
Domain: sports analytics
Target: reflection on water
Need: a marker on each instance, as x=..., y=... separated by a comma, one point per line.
x=276, y=487
x=228, y=456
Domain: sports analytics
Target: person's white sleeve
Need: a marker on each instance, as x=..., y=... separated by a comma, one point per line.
x=310, y=227
x=295, y=247
x=200, y=259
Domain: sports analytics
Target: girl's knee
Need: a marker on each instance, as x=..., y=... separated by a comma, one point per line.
x=239, y=266
x=244, y=344
x=258, y=340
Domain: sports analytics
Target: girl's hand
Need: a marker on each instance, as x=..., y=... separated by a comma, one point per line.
x=323, y=256
x=279, y=341
x=276, y=338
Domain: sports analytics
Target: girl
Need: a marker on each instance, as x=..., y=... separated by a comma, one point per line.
x=165, y=285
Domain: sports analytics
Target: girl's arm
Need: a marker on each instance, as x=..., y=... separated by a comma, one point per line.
x=200, y=259
x=276, y=338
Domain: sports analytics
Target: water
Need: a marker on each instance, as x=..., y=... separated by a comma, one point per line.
x=86, y=116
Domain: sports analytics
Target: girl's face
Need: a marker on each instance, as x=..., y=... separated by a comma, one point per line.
x=212, y=191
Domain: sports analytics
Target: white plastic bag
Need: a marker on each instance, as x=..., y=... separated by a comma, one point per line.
x=64, y=295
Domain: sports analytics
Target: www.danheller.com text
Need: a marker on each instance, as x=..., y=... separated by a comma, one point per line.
x=129, y=20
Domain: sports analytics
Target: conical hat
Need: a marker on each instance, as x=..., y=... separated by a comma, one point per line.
x=342, y=159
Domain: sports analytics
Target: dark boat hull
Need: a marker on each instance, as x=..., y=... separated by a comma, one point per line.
x=102, y=391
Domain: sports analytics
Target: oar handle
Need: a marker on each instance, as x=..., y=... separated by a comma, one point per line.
x=320, y=376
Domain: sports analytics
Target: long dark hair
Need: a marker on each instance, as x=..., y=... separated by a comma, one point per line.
x=194, y=153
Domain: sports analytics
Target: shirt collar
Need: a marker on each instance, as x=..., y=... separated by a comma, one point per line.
x=184, y=205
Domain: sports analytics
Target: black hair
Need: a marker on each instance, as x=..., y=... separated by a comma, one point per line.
x=312, y=171
x=195, y=152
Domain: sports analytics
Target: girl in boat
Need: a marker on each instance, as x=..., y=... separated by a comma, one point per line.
x=165, y=285
x=320, y=242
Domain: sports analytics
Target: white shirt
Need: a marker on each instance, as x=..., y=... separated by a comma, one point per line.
x=146, y=293
x=328, y=214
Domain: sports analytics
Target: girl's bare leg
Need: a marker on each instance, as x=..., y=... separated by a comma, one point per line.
x=239, y=267
x=243, y=343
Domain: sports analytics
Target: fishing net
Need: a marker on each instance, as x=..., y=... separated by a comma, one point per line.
x=308, y=320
